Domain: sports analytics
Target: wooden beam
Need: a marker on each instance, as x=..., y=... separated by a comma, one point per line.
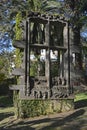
x=45, y=46
x=44, y=20
x=19, y=44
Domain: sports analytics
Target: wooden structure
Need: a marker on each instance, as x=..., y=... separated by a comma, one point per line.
x=50, y=33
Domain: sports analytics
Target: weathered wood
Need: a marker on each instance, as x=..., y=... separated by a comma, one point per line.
x=16, y=87
x=26, y=57
x=62, y=64
x=68, y=56
x=41, y=33
x=45, y=46
x=28, y=60
x=19, y=44
x=42, y=18
x=47, y=63
x=58, y=60
x=18, y=71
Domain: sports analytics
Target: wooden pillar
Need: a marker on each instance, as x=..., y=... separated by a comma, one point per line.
x=26, y=51
x=65, y=42
x=47, y=63
x=58, y=63
x=62, y=63
x=27, y=59
x=28, y=67
x=68, y=55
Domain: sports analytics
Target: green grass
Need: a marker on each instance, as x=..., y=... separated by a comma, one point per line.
x=6, y=109
x=6, y=104
x=80, y=96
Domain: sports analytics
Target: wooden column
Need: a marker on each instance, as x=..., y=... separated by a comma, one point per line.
x=65, y=42
x=68, y=31
x=58, y=57
x=47, y=63
x=26, y=51
x=62, y=63
x=28, y=64
x=58, y=63
x=27, y=59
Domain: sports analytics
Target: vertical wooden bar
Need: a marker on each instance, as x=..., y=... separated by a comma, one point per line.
x=62, y=63
x=26, y=51
x=66, y=37
x=28, y=61
x=68, y=56
x=58, y=57
x=58, y=63
x=47, y=63
x=65, y=41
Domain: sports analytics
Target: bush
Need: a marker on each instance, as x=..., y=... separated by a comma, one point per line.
x=32, y=108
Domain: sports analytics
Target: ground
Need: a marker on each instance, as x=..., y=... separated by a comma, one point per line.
x=72, y=120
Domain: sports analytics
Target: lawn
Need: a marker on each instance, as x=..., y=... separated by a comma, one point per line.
x=80, y=96
x=6, y=109
x=6, y=104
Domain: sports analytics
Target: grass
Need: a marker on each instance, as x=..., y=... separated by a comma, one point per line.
x=80, y=96
x=6, y=109
x=6, y=104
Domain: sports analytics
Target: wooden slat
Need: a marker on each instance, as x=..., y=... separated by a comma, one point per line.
x=16, y=87
x=41, y=46
x=18, y=71
x=19, y=44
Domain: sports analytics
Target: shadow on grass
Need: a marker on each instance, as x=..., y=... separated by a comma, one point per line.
x=66, y=120
x=22, y=127
x=53, y=123
x=5, y=115
x=81, y=103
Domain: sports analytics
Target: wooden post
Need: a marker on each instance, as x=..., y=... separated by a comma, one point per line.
x=58, y=63
x=62, y=63
x=47, y=63
x=28, y=61
x=26, y=51
x=68, y=56
x=65, y=41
